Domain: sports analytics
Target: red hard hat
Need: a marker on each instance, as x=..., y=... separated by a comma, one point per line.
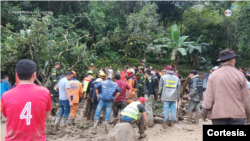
x=142, y=100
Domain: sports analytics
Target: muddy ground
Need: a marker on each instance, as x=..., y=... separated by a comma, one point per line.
x=82, y=132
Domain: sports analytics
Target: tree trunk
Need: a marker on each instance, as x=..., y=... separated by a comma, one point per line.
x=145, y=57
x=195, y=61
x=175, y=63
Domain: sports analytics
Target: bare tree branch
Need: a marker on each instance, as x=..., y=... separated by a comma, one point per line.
x=75, y=64
x=9, y=31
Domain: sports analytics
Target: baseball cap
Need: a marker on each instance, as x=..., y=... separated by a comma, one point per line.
x=91, y=64
x=129, y=70
x=168, y=67
x=141, y=99
x=150, y=67
x=206, y=74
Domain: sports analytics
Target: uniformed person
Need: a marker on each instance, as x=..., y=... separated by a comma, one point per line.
x=141, y=82
x=55, y=75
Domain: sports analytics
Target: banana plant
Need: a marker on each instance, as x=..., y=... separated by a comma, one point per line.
x=193, y=49
x=176, y=44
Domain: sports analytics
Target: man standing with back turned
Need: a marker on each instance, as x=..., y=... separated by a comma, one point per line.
x=227, y=98
x=65, y=101
x=169, y=92
x=26, y=106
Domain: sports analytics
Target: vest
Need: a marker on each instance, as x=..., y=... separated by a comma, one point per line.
x=86, y=81
x=131, y=110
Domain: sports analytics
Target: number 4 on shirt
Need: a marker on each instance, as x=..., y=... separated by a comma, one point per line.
x=28, y=116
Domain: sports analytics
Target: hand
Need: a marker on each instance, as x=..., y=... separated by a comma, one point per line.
x=146, y=99
x=70, y=104
x=189, y=99
x=98, y=96
x=159, y=97
x=145, y=126
x=92, y=100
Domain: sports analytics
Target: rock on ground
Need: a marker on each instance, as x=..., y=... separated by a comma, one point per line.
x=122, y=132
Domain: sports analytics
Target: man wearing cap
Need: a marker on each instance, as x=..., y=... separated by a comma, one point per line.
x=87, y=81
x=132, y=114
x=77, y=92
x=55, y=75
x=106, y=98
x=169, y=92
x=92, y=94
x=227, y=100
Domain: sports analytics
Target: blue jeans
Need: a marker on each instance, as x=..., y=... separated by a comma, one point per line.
x=64, y=109
x=127, y=119
x=169, y=105
x=193, y=104
x=100, y=106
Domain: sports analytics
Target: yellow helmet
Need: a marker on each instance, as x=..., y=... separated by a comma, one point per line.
x=74, y=73
x=101, y=74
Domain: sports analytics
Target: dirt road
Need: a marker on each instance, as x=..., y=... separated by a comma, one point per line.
x=180, y=132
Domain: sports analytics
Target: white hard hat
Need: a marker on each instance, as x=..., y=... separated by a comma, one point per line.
x=92, y=64
x=215, y=68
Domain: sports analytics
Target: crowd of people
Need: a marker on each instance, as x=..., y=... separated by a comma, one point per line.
x=129, y=93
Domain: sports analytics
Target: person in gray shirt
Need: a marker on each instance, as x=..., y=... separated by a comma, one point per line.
x=64, y=99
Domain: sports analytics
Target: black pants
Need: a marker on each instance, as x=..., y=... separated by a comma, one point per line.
x=90, y=106
x=118, y=106
x=94, y=106
x=229, y=121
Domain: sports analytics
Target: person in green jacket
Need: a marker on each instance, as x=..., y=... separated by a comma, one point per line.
x=141, y=82
x=55, y=75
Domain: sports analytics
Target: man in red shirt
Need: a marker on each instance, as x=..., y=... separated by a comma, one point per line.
x=26, y=106
x=120, y=102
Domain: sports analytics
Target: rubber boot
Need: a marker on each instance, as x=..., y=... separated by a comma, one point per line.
x=189, y=120
x=88, y=116
x=57, y=124
x=106, y=123
x=115, y=121
x=164, y=125
x=64, y=122
x=143, y=134
x=71, y=121
x=171, y=124
x=92, y=116
x=197, y=117
x=94, y=130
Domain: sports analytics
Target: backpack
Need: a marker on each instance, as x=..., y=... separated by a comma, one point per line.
x=200, y=89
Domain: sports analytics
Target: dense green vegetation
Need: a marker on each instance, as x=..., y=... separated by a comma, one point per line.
x=77, y=33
